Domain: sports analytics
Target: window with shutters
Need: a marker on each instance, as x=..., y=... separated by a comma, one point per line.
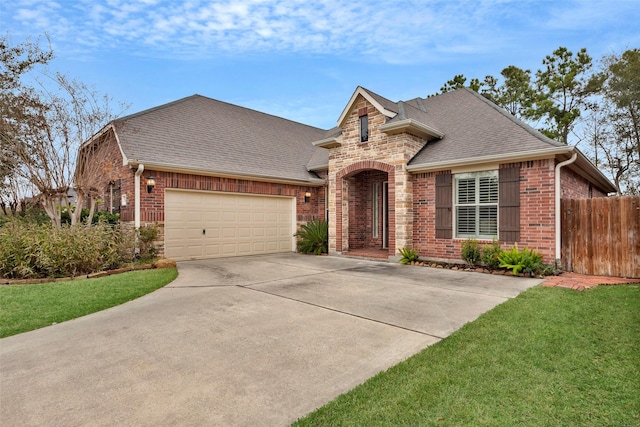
x=476, y=205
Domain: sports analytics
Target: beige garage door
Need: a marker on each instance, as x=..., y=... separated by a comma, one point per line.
x=211, y=225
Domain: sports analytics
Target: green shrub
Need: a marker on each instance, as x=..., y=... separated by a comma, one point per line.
x=99, y=216
x=489, y=255
x=408, y=255
x=313, y=237
x=525, y=260
x=148, y=234
x=29, y=250
x=470, y=251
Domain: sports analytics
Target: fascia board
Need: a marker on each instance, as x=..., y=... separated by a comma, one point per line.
x=501, y=158
x=164, y=167
x=328, y=143
x=410, y=125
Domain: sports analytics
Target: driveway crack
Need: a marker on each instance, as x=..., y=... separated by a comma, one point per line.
x=248, y=287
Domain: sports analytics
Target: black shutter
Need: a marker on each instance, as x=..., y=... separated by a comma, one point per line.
x=509, y=204
x=444, y=203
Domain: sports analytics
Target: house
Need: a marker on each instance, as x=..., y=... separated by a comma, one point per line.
x=427, y=173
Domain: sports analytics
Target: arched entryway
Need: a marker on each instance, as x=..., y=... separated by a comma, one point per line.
x=365, y=210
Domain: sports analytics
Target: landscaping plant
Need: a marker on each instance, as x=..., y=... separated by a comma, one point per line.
x=489, y=255
x=30, y=250
x=525, y=260
x=470, y=251
x=408, y=255
x=313, y=237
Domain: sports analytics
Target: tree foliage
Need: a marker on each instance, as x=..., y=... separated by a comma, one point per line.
x=571, y=103
x=44, y=124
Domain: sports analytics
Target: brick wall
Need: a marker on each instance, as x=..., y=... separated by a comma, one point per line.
x=361, y=221
x=385, y=153
x=537, y=213
x=575, y=186
x=152, y=204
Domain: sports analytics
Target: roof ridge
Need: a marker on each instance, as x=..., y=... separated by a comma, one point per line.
x=381, y=99
x=194, y=96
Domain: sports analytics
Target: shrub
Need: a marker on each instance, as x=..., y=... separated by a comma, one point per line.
x=99, y=216
x=489, y=255
x=525, y=260
x=313, y=237
x=29, y=250
x=470, y=251
x=408, y=255
x=148, y=234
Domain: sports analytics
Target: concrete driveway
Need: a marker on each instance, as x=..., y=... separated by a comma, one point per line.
x=239, y=341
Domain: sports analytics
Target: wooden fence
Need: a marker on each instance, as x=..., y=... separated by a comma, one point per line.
x=601, y=236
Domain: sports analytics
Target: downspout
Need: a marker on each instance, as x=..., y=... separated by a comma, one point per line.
x=558, y=213
x=137, y=196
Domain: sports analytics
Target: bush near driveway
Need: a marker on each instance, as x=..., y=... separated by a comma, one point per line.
x=31, y=250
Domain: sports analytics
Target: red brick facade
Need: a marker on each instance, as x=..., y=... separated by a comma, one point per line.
x=152, y=204
x=537, y=210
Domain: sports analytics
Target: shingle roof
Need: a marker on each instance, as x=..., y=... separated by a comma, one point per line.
x=201, y=133
x=474, y=127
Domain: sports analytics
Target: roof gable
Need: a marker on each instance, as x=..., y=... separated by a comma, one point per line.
x=382, y=104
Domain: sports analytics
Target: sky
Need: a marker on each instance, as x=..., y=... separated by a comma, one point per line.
x=303, y=59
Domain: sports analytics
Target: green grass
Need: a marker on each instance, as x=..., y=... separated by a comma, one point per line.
x=550, y=357
x=27, y=307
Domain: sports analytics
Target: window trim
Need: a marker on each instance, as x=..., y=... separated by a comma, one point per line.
x=477, y=204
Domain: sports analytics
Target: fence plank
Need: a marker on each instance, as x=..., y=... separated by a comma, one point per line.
x=601, y=236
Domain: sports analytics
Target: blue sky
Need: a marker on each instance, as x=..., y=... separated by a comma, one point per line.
x=303, y=59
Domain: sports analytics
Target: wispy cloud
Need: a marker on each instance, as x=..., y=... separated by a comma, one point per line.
x=410, y=31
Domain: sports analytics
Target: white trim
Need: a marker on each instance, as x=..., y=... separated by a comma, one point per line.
x=557, y=203
x=294, y=225
x=361, y=91
x=408, y=125
x=500, y=158
x=329, y=142
x=163, y=167
x=136, y=192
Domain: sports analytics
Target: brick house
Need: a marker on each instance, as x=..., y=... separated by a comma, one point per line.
x=425, y=173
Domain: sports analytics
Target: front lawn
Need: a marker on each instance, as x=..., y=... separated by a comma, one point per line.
x=27, y=307
x=550, y=356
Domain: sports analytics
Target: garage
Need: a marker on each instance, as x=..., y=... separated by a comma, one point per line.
x=212, y=225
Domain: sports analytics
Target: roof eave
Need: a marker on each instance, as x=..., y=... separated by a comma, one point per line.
x=582, y=165
x=411, y=126
x=503, y=158
x=328, y=143
x=165, y=167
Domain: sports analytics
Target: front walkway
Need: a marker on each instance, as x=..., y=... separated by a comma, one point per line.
x=580, y=282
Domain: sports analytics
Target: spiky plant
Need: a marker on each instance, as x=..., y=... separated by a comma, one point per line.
x=313, y=237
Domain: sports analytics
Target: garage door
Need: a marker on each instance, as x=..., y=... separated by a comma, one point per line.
x=211, y=225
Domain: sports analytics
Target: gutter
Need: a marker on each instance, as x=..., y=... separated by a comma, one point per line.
x=137, y=196
x=557, y=194
x=167, y=167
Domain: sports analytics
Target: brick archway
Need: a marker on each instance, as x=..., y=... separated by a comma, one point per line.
x=350, y=171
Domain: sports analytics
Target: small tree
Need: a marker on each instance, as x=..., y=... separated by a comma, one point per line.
x=44, y=127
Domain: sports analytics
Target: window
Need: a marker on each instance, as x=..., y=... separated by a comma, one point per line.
x=364, y=128
x=476, y=205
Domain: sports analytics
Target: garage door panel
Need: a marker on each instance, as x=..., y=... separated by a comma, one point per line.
x=235, y=224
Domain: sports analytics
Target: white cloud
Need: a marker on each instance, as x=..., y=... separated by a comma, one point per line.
x=401, y=31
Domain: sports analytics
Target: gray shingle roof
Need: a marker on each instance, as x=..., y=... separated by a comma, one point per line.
x=474, y=127
x=201, y=133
